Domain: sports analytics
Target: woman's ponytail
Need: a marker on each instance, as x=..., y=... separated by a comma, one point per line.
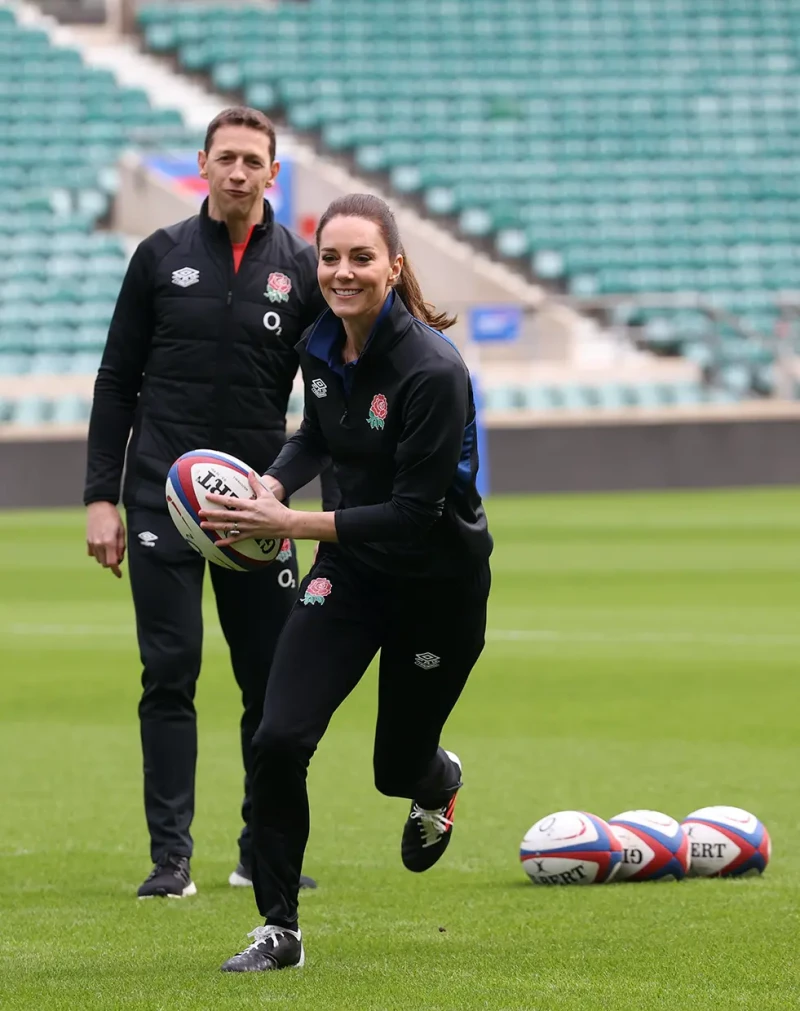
x=407, y=287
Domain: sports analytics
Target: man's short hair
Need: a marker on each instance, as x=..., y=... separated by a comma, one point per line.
x=241, y=115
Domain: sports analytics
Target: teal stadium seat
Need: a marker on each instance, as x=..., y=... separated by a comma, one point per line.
x=71, y=410
x=31, y=410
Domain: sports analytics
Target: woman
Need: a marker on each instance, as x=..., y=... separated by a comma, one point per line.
x=402, y=566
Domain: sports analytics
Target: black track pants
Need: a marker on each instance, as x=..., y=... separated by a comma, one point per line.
x=430, y=634
x=167, y=583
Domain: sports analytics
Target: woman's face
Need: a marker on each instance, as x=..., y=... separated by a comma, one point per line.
x=354, y=269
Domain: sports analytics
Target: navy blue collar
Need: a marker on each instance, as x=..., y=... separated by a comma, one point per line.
x=327, y=338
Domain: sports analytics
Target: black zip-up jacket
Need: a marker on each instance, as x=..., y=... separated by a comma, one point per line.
x=199, y=355
x=399, y=426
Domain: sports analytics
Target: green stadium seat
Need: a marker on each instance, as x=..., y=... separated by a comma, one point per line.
x=502, y=398
x=613, y=396
x=31, y=410
x=13, y=363
x=84, y=363
x=70, y=410
x=50, y=363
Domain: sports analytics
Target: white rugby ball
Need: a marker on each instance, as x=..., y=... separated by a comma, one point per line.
x=654, y=846
x=191, y=478
x=570, y=848
x=727, y=842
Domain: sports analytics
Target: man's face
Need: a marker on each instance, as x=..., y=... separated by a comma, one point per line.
x=238, y=169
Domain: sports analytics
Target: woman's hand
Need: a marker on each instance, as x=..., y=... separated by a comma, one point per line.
x=262, y=516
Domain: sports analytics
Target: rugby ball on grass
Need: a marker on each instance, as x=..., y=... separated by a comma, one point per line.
x=570, y=848
x=726, y=842
x=654, y=847
x=191, y=478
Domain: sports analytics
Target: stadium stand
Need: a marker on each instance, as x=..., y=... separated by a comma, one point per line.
x=608, y=147
x=635, y=157
x=62, y=127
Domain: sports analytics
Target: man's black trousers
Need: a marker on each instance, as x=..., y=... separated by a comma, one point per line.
x=429, y=634
x=167, y=582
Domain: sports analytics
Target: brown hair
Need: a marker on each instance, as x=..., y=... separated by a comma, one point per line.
x=241, y=115
x=364, y=205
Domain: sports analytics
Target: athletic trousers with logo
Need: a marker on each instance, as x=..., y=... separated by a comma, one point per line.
x=167, y=582
x=429, y=634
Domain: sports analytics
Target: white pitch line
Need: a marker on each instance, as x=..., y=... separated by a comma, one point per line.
x=533, y=635
x=711, y=638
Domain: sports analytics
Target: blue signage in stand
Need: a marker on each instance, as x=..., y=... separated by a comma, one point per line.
x=482, y=477
x=495, y=322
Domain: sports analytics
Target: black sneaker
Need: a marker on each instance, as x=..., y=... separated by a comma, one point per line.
x=427, y=833
x=242, y=877
x=273, y=948
x=170, y=879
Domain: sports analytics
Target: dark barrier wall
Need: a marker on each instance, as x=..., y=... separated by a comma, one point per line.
x=718, y=454
x=52, y=474
x=547, y=458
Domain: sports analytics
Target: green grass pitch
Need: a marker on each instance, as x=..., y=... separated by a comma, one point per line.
x=644, y=651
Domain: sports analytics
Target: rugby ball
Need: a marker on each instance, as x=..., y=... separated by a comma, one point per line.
x=570, y=848
x=191, y=478
x=654, y=847
x=726, y=842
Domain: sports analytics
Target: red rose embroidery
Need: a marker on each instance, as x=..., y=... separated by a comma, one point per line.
x=317, y=590
x=278, y=287
x=378, y=410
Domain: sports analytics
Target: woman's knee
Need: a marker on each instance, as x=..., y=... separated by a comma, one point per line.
x=278, y=743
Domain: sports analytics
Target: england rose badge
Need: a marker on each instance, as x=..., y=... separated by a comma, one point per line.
x=378, y=410
x=278, y=287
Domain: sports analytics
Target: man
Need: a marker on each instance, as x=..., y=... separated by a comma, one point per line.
x=200, y=353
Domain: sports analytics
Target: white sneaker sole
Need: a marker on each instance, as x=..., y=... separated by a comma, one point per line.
x=190, y=889
x=239, y=881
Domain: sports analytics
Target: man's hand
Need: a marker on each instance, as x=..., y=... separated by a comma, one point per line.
x=105, y=535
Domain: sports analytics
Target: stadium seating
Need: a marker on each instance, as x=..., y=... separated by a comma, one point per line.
x=62, y=127
x=613, y=146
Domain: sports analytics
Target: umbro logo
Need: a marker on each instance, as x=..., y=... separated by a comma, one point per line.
x=185, y=277
x=147, y=539
x=319, y=388
x=427, y=661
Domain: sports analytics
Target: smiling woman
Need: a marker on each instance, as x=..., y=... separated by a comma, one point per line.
x=402, y=569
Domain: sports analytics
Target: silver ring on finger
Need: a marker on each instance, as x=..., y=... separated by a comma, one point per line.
x=234, y=532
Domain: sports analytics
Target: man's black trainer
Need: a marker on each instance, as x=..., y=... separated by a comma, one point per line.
x=427, y=833
x=169, y=879
x=272, y=948
x=242, y=877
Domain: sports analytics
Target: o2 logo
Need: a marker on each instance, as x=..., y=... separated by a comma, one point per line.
x=272, y=322
x=286, y=579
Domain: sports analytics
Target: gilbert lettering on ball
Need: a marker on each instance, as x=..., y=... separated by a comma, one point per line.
x=570, y=848
x=192, y=477
x=654, y=847
x=726, y=842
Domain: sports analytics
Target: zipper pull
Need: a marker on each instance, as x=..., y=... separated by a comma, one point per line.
x=343, y=417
